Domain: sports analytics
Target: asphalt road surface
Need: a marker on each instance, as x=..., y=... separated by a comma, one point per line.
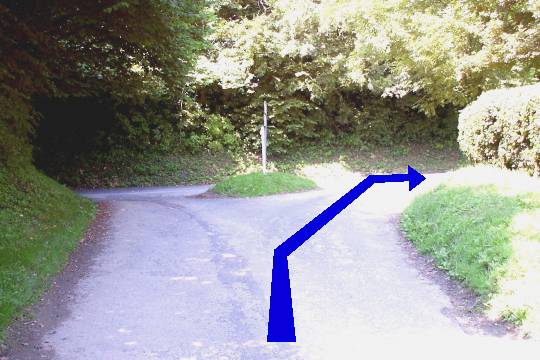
x=180, y=276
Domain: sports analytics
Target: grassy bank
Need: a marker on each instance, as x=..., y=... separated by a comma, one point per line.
x=482, y=227
x=124, y=168
x=41, y=222
x=258, y=184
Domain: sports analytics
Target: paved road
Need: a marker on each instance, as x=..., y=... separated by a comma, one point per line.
x=185, y=277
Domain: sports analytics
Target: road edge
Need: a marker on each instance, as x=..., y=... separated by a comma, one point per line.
x=25, y=336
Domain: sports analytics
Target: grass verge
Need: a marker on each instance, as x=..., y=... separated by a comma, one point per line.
x=41, y=222
x=122, y=168
x=483, y=227
x=258, y=184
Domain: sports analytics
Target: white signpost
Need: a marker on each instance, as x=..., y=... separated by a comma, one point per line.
x=264, y=136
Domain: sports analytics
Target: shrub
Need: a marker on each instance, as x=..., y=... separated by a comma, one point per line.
x=502, y=127
x=202, y=130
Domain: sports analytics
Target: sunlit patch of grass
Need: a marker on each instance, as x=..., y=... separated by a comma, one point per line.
x=258, y=184
x=482, y=227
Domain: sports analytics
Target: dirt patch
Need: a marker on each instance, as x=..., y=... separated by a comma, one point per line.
x=467, y=307
x=209, y=195
x=24, y=338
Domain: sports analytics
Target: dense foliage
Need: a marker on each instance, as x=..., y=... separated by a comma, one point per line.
x=131, y=55
x=110, y=73
x=381, y=69
x=502, y=128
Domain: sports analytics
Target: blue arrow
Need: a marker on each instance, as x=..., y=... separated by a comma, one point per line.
x=281, y=319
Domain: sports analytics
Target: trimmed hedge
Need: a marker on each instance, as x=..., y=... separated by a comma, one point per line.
x=502, y=127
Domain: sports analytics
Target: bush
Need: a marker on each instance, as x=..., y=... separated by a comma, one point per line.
x=204, y=131
x=502, y=127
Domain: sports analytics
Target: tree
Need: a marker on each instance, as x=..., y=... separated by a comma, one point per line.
x=117, y=48
x=379, y=68
x=445, y=52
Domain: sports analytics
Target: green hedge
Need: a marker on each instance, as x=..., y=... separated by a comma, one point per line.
x=502, y=127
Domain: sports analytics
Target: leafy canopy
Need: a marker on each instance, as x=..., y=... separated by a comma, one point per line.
x=66, y=48
x=442, y=52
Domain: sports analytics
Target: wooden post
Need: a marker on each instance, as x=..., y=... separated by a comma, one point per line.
x=264, y=136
